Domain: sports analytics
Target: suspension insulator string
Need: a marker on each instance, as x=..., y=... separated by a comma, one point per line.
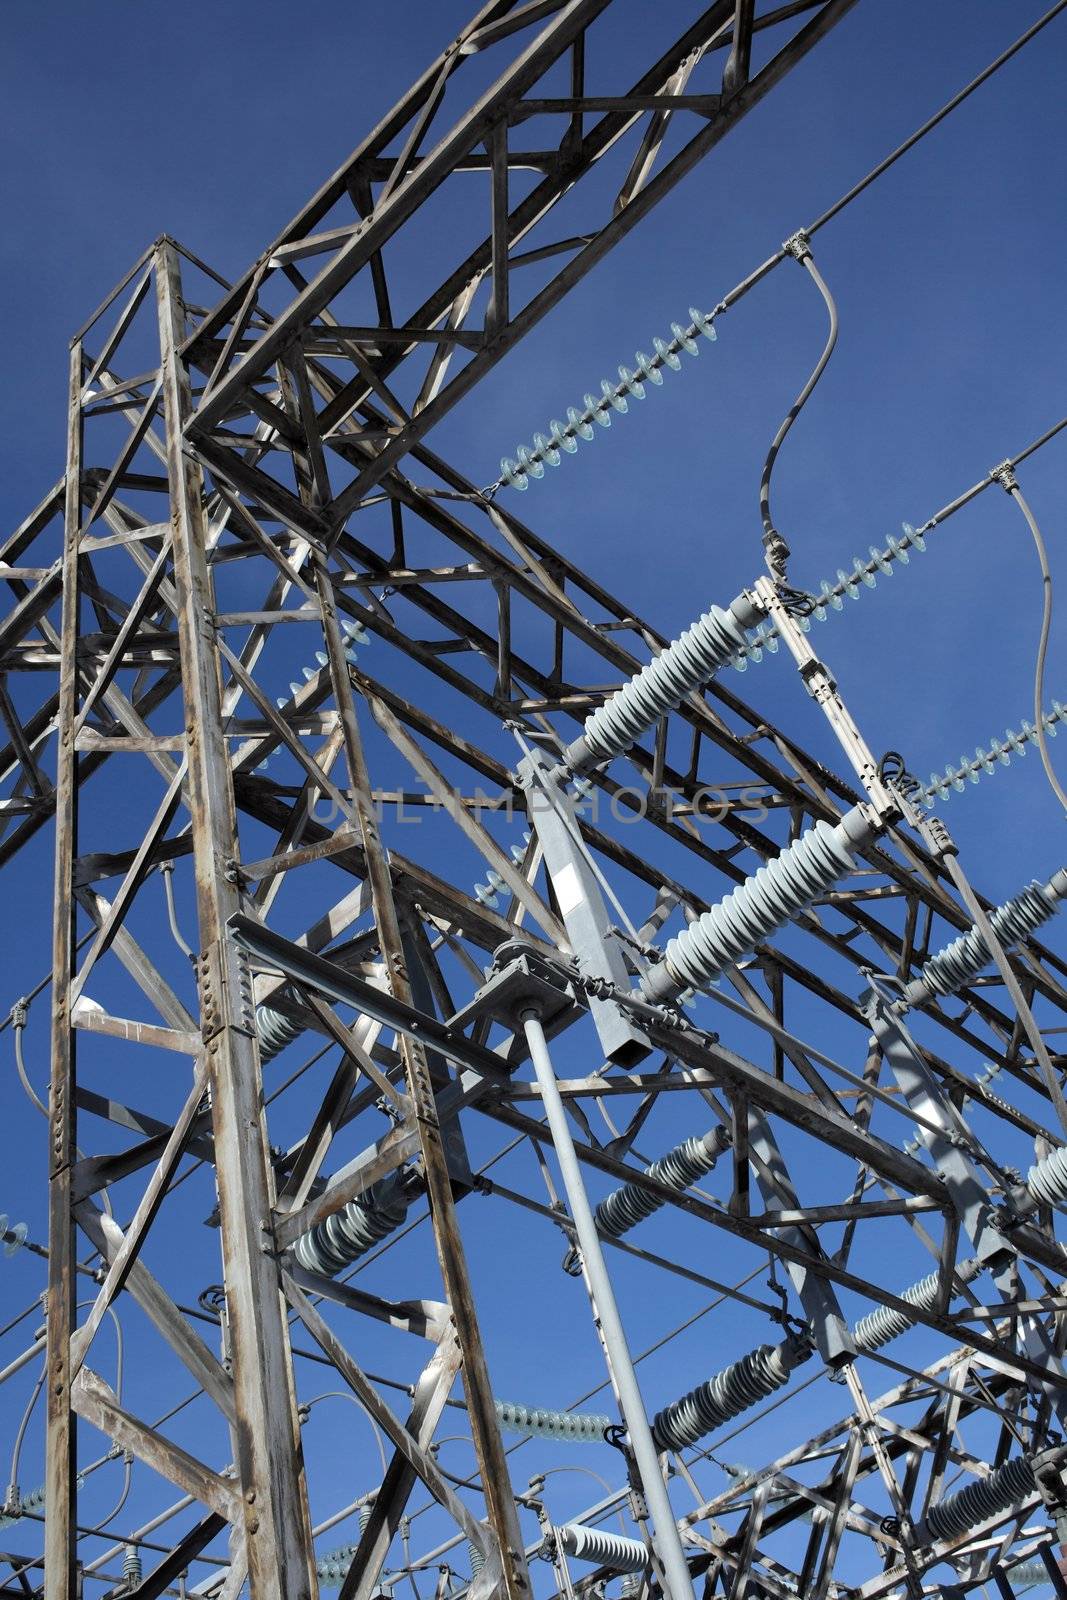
x=573, y=1427
x=885, y=1323
x=984, y=762
x=614, y=396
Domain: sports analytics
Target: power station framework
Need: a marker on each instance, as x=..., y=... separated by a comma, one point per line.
x=278, y=627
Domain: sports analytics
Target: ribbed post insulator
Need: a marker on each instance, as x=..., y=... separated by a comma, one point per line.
x=574, y=1427
x=604, y=1548
x=131, y=1567
x=625, y=1207
x=682, y=666
x=1047, y=1179
x=757, y=907
x=980, y=1500
x=275, y=1030
x=476, y=1556
x=965, y=957
x=884, y=1323
x=736, y=1388
x=1026, y=1575
x=355, y=1229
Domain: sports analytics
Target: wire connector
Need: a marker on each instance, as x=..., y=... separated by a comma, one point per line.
x=798, y=245
x=1005, y=476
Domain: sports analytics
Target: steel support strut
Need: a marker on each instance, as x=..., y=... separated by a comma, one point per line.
x=678, y=1584
x=277, y=1525
x=61, y=1445
x=500, y=1504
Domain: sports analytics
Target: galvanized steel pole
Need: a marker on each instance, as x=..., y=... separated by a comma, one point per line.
x=666, y=1537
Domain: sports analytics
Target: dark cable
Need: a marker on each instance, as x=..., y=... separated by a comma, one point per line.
x=775, y=547
x=939, y=116
x=1042, y=647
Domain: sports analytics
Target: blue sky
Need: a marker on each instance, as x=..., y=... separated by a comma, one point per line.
x=214, y=122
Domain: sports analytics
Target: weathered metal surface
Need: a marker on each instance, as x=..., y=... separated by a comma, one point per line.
x=488, y=630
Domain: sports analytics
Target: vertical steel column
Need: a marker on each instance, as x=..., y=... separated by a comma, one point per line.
x=60, y=1577
x=669, y=1548
x=277, y=1526
x=492, y=1462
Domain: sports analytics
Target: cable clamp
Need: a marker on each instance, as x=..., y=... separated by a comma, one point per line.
x=1005, y=476
x=798, y=246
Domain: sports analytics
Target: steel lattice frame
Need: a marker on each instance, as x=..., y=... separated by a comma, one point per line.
x=249, y=441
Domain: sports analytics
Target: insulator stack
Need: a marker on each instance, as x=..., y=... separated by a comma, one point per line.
x=685, y=664
x=760, y=905
x=275, y=1029
x=736, y=1388
x=355, y=1229
x=625, y=1207
x=878, y=1327
x=574, y=1427
x=606, y=1549
x=1000, y=751
x=965, y=957
x=131, y=1568
x=476, y=1555
x=598, y=408
x=979, y=1500
x=1047, y=1179
x=1027, y=1575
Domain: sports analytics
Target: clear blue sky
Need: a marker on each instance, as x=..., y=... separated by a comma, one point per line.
x=215, y=121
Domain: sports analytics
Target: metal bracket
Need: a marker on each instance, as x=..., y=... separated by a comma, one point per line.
x=822, y=686
x=943, y=1131
x=225, y=983
x=1004, y=474
x=797, y=245
x=520, y=980
x=597, y=951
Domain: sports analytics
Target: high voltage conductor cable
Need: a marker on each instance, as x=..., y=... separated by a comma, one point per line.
x=1007, y=478
x=775, y=547
x=516, y=474
x=882, y=561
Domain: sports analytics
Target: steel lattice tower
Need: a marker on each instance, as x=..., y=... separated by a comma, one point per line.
x=246, y=483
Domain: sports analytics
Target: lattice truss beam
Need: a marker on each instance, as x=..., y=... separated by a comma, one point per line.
x=281, y=629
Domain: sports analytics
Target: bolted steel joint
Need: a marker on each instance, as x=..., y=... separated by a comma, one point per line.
x=797, y=245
